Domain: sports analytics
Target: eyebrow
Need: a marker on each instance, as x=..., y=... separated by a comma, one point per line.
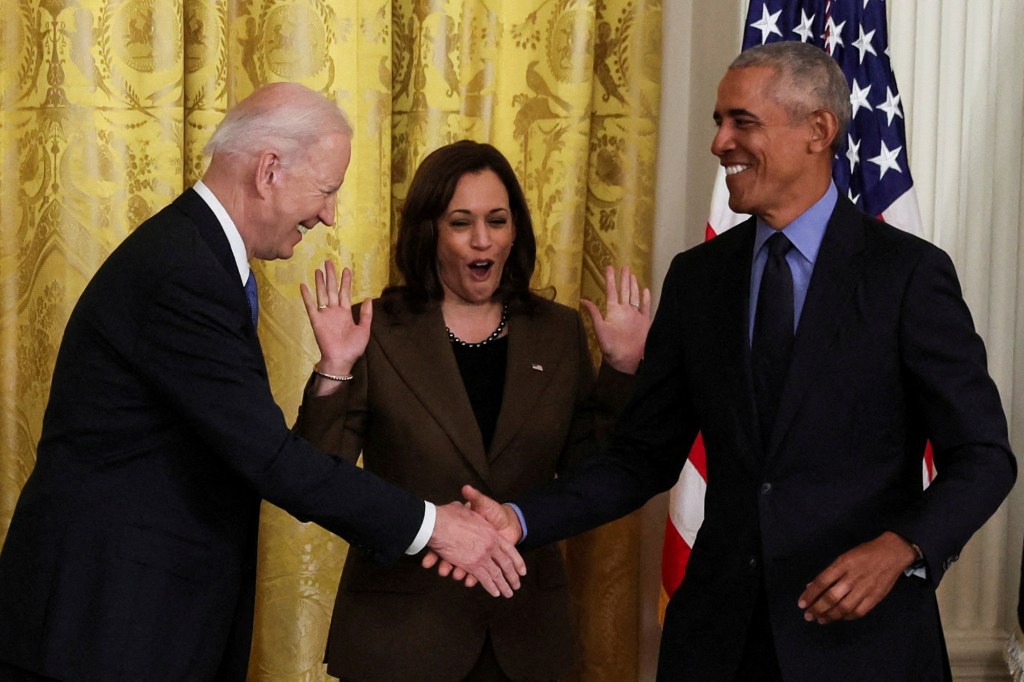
x=737, y=113
x=493, y=210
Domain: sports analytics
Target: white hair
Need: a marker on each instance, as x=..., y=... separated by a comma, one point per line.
x=287, y=116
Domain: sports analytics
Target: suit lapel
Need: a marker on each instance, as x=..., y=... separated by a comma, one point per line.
x=192, y=205
x=835, y=276
x=419, y=351
x=534, y=362
x=202, y=216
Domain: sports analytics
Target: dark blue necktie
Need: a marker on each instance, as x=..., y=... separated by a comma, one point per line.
x=252, y=296
x=772, y=342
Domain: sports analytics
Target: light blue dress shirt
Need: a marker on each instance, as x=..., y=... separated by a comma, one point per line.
x=805, y=233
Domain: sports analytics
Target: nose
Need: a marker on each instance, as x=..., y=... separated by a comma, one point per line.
x=480, y=237
x=722, y=142
x=327, y=214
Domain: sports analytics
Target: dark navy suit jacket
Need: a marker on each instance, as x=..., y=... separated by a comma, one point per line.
x=885, y=358
x=132, y=550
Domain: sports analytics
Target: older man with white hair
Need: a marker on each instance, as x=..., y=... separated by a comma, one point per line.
x=132, y=551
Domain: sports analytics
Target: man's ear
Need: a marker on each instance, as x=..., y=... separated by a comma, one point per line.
x=268, y=168
x=824, y=128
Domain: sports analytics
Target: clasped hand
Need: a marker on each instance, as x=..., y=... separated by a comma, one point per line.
x=470, y=547
x=501, y=519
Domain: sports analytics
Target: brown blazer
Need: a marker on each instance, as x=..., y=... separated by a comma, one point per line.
x=408, y=413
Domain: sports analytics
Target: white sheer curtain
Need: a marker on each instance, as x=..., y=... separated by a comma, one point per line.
x=960, y=68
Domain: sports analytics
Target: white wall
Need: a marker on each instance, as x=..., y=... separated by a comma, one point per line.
x=961, y=74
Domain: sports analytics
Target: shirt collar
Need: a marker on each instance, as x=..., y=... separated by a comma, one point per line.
x=228, y=225
x=807, y=230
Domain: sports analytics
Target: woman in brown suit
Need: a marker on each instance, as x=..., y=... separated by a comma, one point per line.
x=467, y=377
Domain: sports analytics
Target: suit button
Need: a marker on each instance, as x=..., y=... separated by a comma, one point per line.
x=752, y=562
x=766, y=488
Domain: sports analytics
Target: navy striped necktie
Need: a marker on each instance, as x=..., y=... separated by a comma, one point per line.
x=252, y=296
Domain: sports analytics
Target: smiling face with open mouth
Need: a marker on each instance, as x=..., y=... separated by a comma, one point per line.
x=769, y=154
x=475, y=235
x=301, y=195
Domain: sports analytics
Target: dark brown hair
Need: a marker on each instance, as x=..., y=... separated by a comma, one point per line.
x=430, y=192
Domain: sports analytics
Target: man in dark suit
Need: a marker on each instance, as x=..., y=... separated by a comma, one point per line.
x=132, y=550
x=816, y=369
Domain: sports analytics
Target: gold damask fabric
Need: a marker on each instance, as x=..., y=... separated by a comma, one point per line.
x=105, y=106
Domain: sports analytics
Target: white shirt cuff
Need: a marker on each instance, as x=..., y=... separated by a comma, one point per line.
x=426, y=529
x=917, y=571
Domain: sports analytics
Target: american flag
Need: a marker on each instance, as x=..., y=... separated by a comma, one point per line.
x=871, y=168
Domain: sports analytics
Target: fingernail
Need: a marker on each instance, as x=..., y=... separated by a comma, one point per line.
x=808, y=617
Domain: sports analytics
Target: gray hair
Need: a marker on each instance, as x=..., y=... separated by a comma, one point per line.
x=809, y=80
x=287, y=116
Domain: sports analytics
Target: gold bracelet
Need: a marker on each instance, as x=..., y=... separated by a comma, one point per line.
x=332, y=377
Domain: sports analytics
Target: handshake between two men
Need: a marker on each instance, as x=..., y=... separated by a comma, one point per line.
x=470, y=552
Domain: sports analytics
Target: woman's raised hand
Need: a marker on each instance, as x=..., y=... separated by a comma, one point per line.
x=341, y=338
x=622, y=331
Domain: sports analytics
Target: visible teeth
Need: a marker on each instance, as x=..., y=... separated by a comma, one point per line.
x=302, y=229
x=733, y=170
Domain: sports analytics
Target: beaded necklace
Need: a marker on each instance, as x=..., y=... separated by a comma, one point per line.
x=494, y=335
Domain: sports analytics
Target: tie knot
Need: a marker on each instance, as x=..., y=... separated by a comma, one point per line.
x=779, y=245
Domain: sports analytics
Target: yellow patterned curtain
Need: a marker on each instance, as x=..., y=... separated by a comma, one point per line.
x=105, y=106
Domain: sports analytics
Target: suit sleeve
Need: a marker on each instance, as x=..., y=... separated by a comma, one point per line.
x=648, y=445
x=950, y=388
x=195, y=348
x=598, y=405
x=335, y=423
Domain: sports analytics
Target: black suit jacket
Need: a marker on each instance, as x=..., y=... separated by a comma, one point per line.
x=885, y=357
x=132, y=550
x=408, y=413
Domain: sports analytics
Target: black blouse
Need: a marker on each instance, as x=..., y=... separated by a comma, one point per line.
x=483, y=374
